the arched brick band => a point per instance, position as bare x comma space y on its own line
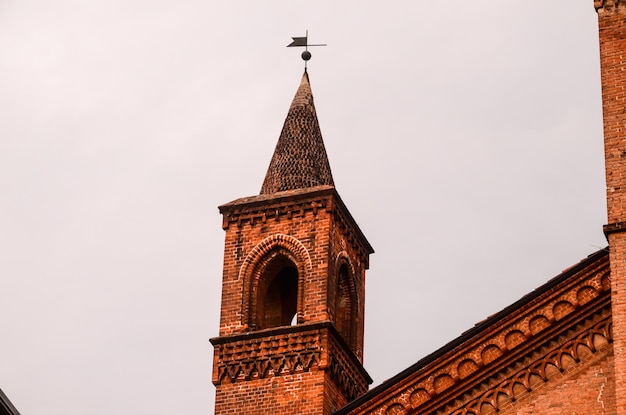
610, 5
257, 260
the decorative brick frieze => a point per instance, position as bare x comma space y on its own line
515, 381
561, 311
265, 353
607, 5
292, 204
560, 358
276, 212
289, 350
346, 370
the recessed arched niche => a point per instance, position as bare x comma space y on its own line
418, 397
586, 294
343, 303
561, 309
538, 323
466, 368
490, 353
514, 338
345, 300
395, 409
273, 276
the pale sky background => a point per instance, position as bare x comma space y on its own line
464, 136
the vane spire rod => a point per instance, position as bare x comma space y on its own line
304, 42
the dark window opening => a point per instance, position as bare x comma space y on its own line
278, 294
343, 305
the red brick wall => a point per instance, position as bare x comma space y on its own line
315, 232
317, 229
311, 230
311, 393
297, 394
612, 30
587, 390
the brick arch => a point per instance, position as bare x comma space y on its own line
466, 367
348, 288
490, 353
418, 397
562, 309
538, 323
442, 382
585, 294
395, 409
605, 281
256, 261
514, 338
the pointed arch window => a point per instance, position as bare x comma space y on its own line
345, 305
277, 301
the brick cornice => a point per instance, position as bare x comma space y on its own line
616, 227
294, 203
607, 5
556, 357
556, 349
497, 345
288, 350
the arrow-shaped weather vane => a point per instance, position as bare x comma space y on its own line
304, 42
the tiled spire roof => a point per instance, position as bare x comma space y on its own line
300, 159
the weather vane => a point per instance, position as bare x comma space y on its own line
304, 41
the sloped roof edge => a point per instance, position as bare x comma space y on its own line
6, 407
474, 331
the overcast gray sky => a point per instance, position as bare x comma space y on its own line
464, 136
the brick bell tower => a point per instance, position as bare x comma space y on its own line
293, 290
612, 33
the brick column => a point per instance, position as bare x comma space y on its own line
612, 26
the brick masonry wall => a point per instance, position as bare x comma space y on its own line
317, 234
311, 230
587, 390
612, 34
311, 393
315, 228
299, 394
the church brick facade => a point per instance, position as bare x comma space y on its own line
292, 316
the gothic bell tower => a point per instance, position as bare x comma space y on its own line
293, 289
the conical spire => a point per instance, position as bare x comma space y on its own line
300, 159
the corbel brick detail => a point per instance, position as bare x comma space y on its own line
259, 357
571, 313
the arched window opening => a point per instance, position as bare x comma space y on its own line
278, 294
344, 304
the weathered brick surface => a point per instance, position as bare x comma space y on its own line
320, 355
561, 328
612, 30
293, 287
311, 393
588, 389
289, 394
560, 350
313, 227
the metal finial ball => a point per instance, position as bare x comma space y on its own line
306, 55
